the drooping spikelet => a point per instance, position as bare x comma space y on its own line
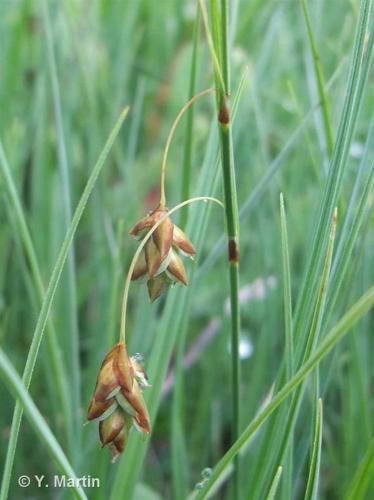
118, 401
160, 260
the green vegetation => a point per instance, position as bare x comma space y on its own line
272, 402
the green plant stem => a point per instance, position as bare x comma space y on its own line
48, 299
232, 221
258, 191
186, 177
320, 80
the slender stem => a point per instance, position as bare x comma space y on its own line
122, 334
186, 178
320, 81
213, 51
231, 210
169, 139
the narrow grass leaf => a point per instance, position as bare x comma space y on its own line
363, 476
320, 79
70, 340
360, 66
315, 461
274, 485
12, 379
359, 309
48, 299
287, 299
58, 371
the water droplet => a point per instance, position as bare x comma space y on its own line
206, 473
138, 357
199, 486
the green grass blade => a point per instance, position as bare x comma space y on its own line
60, 382
361, 63
289, 351
12, 379
48, 299
364, 475
213, 50
178, 435
274, 484
178, 444
347, 245
187, 159
285, 426
315, 461
70, 340
320, 80
359, 309
289, 344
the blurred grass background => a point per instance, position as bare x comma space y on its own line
59, 98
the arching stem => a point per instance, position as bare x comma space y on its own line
169, 139
122, 334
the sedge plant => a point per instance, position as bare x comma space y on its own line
302, 126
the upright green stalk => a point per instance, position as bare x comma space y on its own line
320, 80
186, 176
71, 345
231, 210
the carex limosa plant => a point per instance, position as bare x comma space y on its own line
118, 403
